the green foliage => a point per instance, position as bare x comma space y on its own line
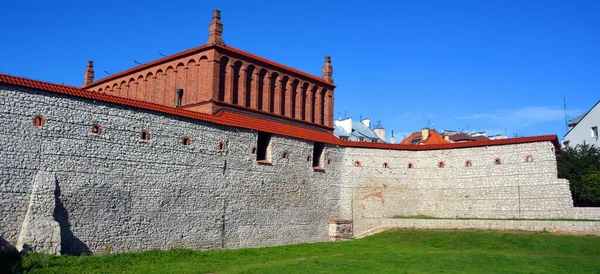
387, 252
590, 187
581, 166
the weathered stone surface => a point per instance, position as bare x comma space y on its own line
130, 194
120, 192
513, 189
40, 232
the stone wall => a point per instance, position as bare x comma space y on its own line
105, 188
510, 188
116, 191
562, 227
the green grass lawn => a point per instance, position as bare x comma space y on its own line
425, 217
401, 251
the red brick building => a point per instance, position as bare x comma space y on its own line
215, 77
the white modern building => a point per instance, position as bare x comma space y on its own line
583, 129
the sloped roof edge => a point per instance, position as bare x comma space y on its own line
253, 123
582, 117
200, 49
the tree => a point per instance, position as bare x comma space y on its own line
581, 166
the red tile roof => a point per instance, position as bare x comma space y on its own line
254, 123
465, 137
222, 118
482, 143
433, 139
203, 48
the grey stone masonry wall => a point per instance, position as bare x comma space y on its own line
71, 187
116, 191
40, 231
512, 189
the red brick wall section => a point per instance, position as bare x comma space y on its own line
198, 75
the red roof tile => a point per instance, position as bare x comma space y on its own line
433, 139
244, 121
465, 137
222, 118
202, 48
482, 143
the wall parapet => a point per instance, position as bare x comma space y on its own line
559, 227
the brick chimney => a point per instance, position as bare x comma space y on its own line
215, 30
88, 77
328, 70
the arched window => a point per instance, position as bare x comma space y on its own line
308, 158
222, 71
186, 140
144, 135
303, 96
272, 91
497, 161
39, 121
441, 164
254, 150
96, 129
221, 146
285, 155
410, 165
248, 85
357, 164
235, 92
313, 102
284, 85
468, 163
385, 165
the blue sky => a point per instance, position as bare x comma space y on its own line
495, 66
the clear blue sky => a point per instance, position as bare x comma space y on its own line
493, 66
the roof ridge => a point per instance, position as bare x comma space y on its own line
198, 49
582, 116
149, 64
276, 64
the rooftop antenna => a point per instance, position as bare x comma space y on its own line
159, 53
135, 61
432, 125
566, 115
107, 72
345, 116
